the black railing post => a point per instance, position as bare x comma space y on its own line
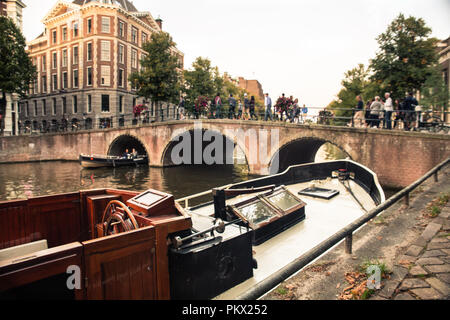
348, 243
406, 200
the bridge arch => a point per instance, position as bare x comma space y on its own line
126, 141
298, 151
230, 147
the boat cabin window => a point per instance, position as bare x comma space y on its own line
284, 201
257, 212
270, 213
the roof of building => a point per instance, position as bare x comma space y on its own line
125, 4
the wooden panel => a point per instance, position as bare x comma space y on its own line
86, 230
40, 265
122, 266
54, 218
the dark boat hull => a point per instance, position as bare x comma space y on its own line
98, 162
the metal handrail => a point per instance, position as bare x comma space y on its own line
175, 115
197, 195
346, 233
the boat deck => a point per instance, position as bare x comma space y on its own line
323, 219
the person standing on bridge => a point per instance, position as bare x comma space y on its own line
252, 108
218, 103
239, 116
268, 105
246, 107
388, 109
375, 109
232, 107
358, 119
409, 105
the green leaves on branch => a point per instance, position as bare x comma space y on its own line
17, 71
406, 57
407, 61
159, 77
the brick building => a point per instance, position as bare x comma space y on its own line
12, 9
84, 58
444, 62
252, 86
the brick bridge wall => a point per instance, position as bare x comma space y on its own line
398, 158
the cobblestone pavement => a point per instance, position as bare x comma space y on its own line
423, 272
413, 245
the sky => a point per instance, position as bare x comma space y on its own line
297, 47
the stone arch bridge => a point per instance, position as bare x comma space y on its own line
398, 157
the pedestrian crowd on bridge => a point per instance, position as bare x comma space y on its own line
386, 113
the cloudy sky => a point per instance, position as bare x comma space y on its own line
297, 47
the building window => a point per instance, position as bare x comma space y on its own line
105, 103
134, 35
75, 104
54, 107
120, 78
64, 105
106, 24
105, 75
35, 108
54, 82
120, 104
44, 108
44, 84
89, 25
89, 103
44, 63
64, 58
27, 110
54, 60
54, 36
75, 78
144, 38
75, 55
121, 54
89, 51
35, 86
75, 29
134, 59
64, 33
106, 51
89, 76
64, 82
121, 29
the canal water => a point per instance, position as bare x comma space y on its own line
24, 180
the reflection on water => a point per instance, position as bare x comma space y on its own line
329, 151
35, 179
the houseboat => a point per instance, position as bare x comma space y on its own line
115, 244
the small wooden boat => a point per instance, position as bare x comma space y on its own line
116, 244
96, 161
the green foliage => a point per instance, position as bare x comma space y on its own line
159, 78
204, 80
434, 92
356, 82
199, 81
406, 56
17, 71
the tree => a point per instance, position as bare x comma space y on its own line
17, 71
159, 78
406, 56
434, 93
356, 82
199, 81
